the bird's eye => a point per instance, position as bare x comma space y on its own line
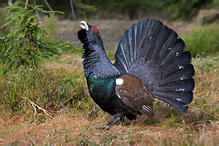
94, 29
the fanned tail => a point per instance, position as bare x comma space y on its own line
154, 53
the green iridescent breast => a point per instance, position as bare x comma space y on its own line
100, 87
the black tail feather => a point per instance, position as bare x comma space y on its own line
184, 97
153, 35
177, 104
180, 75
173, 54
162, 37
181, 86
167, 46
176, 65
123, 61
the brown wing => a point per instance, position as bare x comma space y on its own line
135, 94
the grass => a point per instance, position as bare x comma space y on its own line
203, 40
40, 90
73, 122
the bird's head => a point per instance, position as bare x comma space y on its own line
89, 34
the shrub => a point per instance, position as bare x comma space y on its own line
49, 23
24, 45
202, 40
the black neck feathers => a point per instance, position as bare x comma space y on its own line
96, 61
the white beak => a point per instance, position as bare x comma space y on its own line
84, 25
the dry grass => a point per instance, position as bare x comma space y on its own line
199, 126
74, 129
69, 62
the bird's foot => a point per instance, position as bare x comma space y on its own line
116, 118
106, 127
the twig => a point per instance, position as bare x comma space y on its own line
196, 122
2, 26
35, 105
48, 5
10, 2
209, 114
62, 103
35, 111
26, 4
34, 2
72, 10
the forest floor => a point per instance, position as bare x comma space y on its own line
199, 126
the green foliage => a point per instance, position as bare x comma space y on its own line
24, 45
172, 9
50, 27
69, 49
111, 55
49, 23
81, 9
184, 9
125, 7
202, 40
85, 10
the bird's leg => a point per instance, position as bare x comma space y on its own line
116, 118
122, 120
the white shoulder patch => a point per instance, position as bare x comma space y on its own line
119, 81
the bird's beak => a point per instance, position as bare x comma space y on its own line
84, 25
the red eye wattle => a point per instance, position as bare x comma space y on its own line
93, 28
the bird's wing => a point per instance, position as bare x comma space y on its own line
134, 94
152, 52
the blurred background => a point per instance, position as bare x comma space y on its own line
126, 9
113, 17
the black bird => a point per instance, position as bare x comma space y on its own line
150, 63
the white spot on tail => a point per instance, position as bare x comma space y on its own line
119, 81
177, 53
181, 67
